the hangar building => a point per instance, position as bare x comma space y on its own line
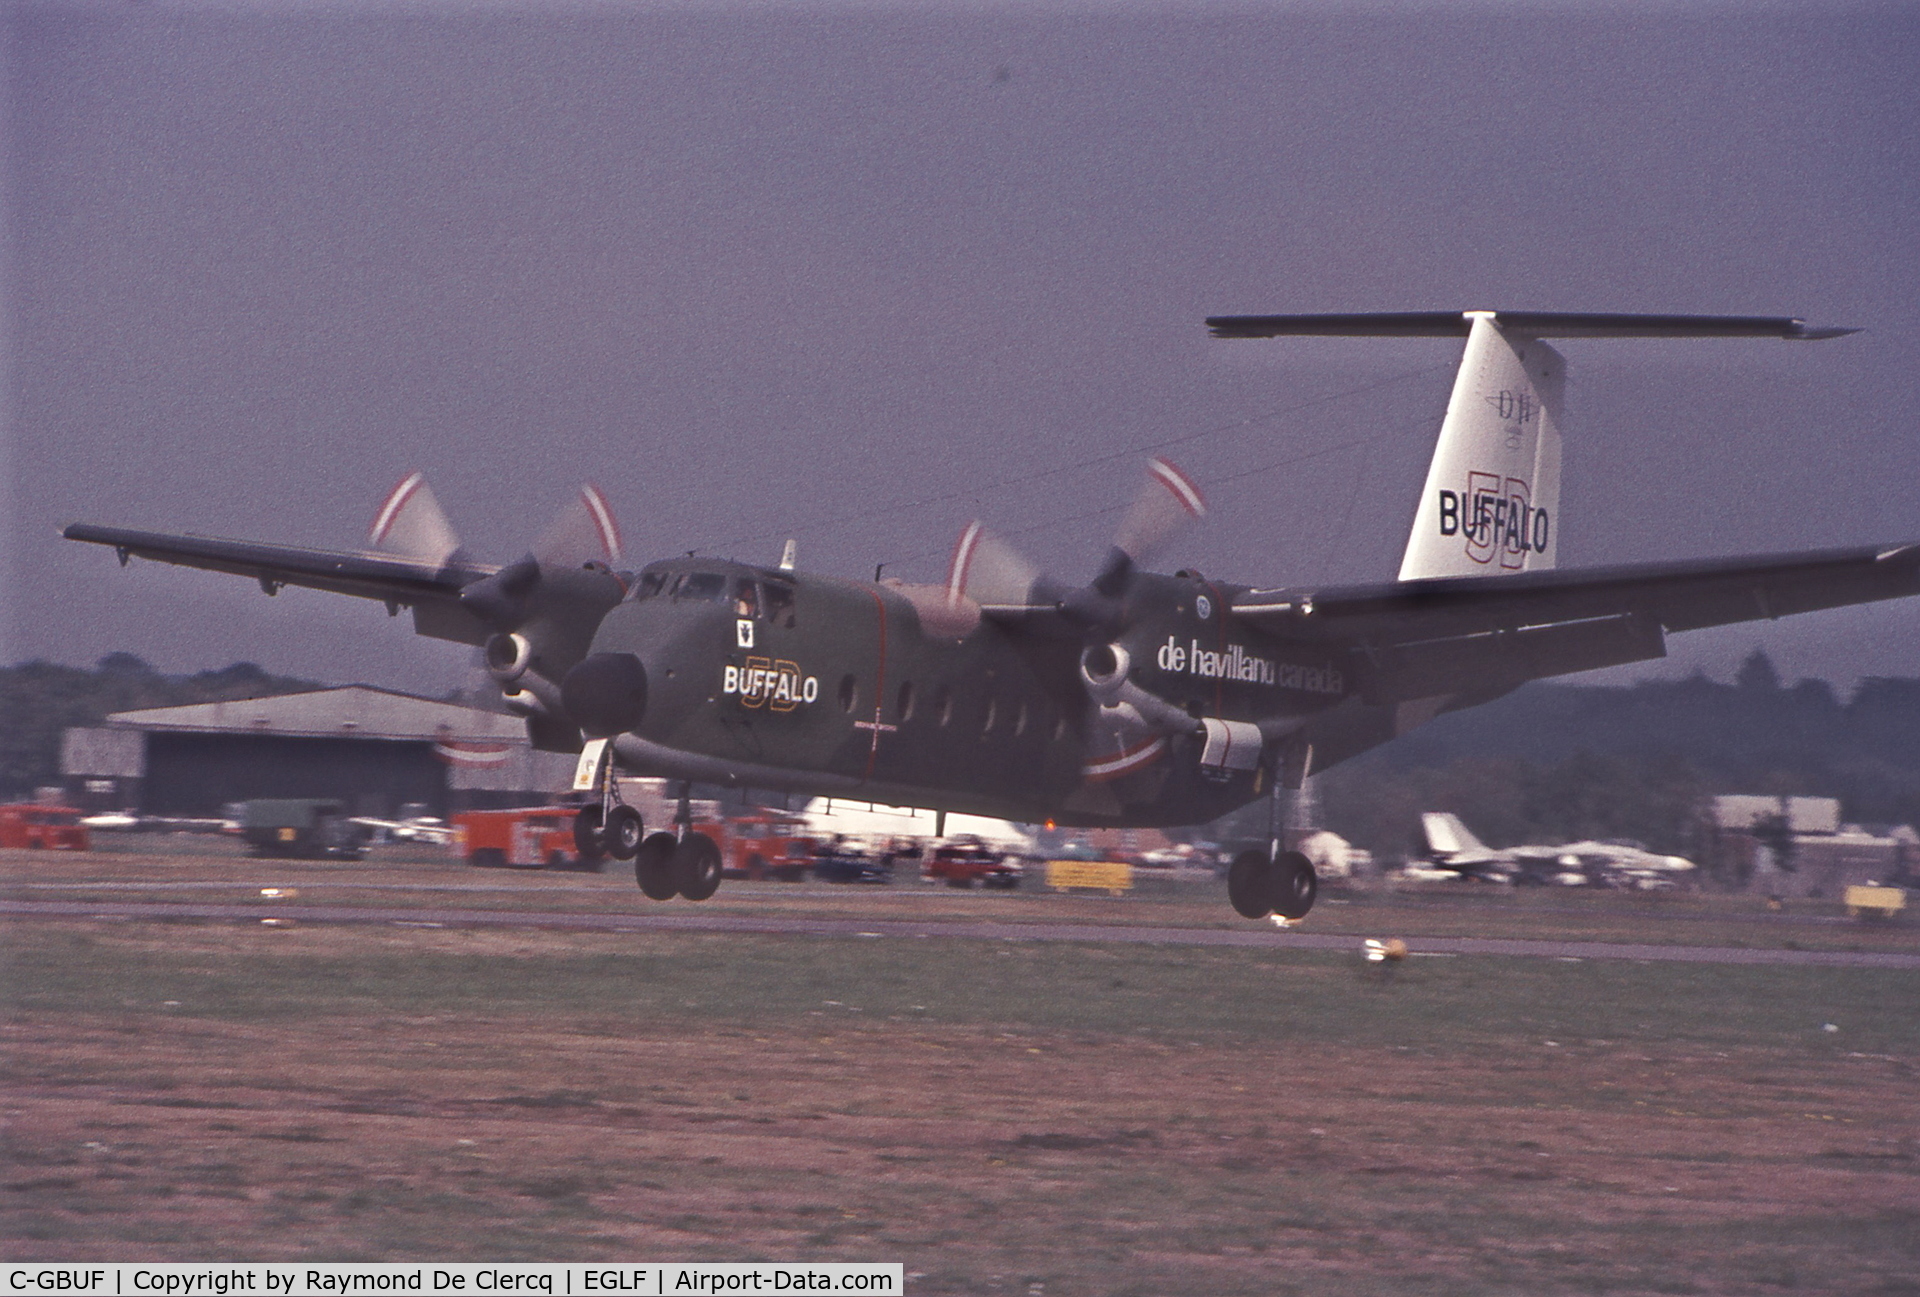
374, 749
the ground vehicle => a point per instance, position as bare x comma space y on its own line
763, 846
526, 837
965, 861
308, 828
42, 828
843, 861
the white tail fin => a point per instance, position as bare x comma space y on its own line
1447, 836
1492, 499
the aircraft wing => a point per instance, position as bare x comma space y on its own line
432, 592
1417, 638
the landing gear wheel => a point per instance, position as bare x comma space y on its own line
1250, 885
588, 843
696, 867
653, 867
1292, 885
624, 833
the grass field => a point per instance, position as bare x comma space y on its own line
1002, 1117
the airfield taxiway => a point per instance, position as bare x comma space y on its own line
1264, 936
200, 880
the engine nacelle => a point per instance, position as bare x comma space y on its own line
508, 657
1103, 670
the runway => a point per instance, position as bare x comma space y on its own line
1270, 938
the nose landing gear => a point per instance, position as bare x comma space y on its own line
588, 842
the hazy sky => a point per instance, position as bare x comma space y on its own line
856, 274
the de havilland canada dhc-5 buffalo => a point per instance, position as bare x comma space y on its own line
1137, 699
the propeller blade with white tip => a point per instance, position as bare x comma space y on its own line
1167, 503
585, 532
410, 523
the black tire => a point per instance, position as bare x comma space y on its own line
1250, 885
587, 837
653, 867
488, 858
696, 867
1293, 885
624, 833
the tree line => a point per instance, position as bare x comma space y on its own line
41, 700
1562, 762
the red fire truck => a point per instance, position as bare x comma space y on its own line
765, 845
527, 837
43, 828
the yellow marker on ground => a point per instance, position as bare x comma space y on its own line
1884, 901
1112, 876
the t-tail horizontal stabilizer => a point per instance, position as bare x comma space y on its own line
1536, 324
1491, 504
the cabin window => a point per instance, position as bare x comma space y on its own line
943, 706
849, 693
701, 587
1020, 719
1060, 727
905, 702
993, 714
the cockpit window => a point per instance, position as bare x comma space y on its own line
779, 603
652, 584
703, 587
746, 598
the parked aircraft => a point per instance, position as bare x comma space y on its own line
1455, 852
1134, 699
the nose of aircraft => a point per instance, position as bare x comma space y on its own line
606, 694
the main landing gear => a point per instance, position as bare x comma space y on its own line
1259, 884
666, 865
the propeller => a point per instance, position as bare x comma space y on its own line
1130, 724
411, 524
990, 572
538, 613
